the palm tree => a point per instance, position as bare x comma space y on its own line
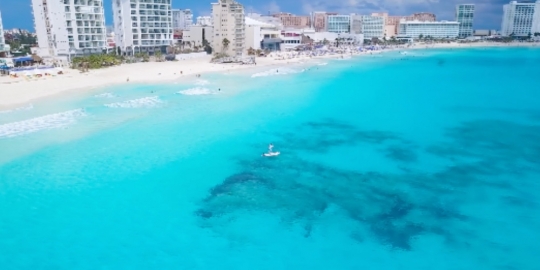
251, 51
158, 56
225, 43
421, 36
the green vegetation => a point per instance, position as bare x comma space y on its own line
225, 43
96, 61
159, 56
21, 42
144, 57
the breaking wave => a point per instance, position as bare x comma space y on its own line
197, 91
50, 121
277, 71
146, 102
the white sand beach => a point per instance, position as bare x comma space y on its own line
20, 91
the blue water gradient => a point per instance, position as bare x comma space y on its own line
429, 160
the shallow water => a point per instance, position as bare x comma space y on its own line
424, 161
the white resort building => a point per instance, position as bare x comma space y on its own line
369, 26
67, 27
2, 40
182, 19
439, 29
261, 35
338, 23
196, 35
142, 25
521, 19
535, 29
229, 24
465, 17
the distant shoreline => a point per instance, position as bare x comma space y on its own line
19, 92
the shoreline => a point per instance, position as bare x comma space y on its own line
19, 92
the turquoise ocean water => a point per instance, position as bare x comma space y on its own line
429, 160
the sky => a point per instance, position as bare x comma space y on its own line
18, 13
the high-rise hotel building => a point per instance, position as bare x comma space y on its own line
465, 17
66, 27
521, 18
229, 23
142, 25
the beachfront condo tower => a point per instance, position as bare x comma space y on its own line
229, 27
2, 40
438, 29
465, 16
339, 23
369, 25
182, 19
68, 27
142, 25
520, 19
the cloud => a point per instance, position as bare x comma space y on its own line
272, 7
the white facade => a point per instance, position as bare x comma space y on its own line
197, 34
142, 25
369, 26
69, 26
520, 19
465, 17
182, 19
339, 23
204, 21
291, 39
2, 40
258, 32
535, 29
229, 23
440, 29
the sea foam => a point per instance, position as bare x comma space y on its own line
277, 71
146, 102
197, 91
202, 82
50, 121
25, 108
105, 95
